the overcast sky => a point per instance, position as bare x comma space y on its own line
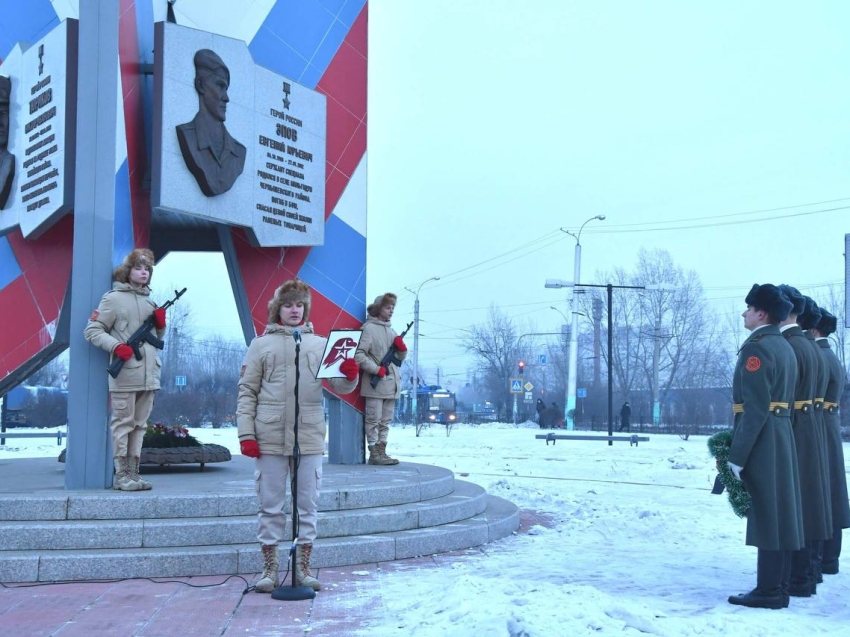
716, 131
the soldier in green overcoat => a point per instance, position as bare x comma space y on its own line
762, 451
835, 448
808, 320
811, 449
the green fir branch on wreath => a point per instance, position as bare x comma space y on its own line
718, 446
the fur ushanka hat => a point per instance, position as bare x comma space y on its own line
810, 317
385, 299
798, 301
290, 292
828, 323
139, 256
768, 298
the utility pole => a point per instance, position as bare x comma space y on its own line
597, 346
570, 402
414, 402
656, 356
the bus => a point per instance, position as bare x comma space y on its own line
434, 404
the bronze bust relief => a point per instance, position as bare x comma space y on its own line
7, 159
213, 157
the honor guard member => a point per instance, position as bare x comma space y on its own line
120, 313
762, 451
808, 320
378, 337
809, 440
834, 446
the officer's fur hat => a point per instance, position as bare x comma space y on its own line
810, 317
290, 292
827, 324
380, 301
769, 298
795, 296
139, 256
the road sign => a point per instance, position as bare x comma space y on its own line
581, 392
516, 385
180, 381
541, 359
528, 397
528, 386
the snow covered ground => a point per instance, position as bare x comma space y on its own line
636, 544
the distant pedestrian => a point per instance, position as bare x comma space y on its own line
625, 414
540, 407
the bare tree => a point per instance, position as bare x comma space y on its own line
53, 374
494, 346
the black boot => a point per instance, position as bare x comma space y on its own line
817, 563
768, 590
831, 552
800, 585
786, 577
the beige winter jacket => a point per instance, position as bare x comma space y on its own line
377, 338
265, 409
121, 312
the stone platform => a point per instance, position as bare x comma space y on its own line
204, 523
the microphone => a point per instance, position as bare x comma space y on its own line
296, 334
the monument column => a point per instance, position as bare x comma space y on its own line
88, 463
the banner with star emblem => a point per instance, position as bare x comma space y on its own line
341, 345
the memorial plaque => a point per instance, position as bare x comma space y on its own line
37, 164
234, 142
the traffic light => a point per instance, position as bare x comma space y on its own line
521, 368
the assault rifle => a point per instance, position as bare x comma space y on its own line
141, 336
390, 358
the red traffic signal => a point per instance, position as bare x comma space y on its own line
521, 367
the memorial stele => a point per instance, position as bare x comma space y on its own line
235, 143
42, 116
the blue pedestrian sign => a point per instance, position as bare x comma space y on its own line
581, 392
541, 359
516, 385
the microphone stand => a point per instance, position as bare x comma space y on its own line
294, 592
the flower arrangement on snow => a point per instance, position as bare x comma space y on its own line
159, 436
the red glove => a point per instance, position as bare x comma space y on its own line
382, 371
124, 352
159, 318
350, 368
250, 448
399, 344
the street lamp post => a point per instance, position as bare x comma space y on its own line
570, 402
558, 283
414, 400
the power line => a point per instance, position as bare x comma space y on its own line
602, 229
597, 229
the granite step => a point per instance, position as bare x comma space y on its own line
498, 519
466, 501
343, 488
